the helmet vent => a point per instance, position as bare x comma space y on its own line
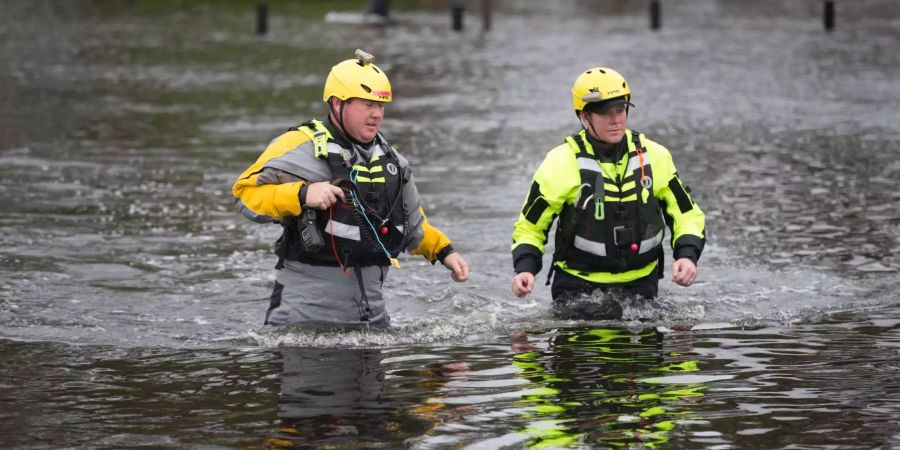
366, 88
376, 69
588, 71
601, 71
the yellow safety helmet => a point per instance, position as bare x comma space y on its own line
358, 78
602, 86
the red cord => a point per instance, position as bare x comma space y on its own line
333, 245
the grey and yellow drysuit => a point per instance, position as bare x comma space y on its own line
340, 283
613, 204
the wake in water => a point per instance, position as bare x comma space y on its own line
728, 296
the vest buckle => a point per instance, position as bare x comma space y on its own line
622, 235
599, 209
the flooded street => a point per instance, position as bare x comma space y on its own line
132, 295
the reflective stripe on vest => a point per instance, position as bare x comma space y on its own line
599, 248
371, 171
593, 165
343, 230
634, 163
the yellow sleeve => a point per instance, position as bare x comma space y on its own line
687, 217
433, 242
555, 183
687, 220
273, 200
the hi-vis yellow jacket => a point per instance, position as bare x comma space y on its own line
269, 190
612, 215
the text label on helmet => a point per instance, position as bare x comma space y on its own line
382, 94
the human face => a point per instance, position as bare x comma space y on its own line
608, 126
361, 118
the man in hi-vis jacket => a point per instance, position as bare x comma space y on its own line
614, 191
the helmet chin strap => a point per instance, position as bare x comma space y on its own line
339, 115
587, 117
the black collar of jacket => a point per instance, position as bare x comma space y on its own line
607, 152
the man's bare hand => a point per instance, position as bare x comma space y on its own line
522, 284
459, 268
322, 195
684, 272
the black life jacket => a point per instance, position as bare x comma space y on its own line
621, 231
373, 226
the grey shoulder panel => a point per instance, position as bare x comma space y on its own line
412, 202
402, 159
271, 175
302, 163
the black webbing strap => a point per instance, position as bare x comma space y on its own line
363, 313
580, 143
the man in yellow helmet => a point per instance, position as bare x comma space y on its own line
347, 203
614, 192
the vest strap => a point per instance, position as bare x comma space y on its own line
636, 139
599, 190
319, 136
364, 311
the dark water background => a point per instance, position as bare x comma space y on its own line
132, 295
